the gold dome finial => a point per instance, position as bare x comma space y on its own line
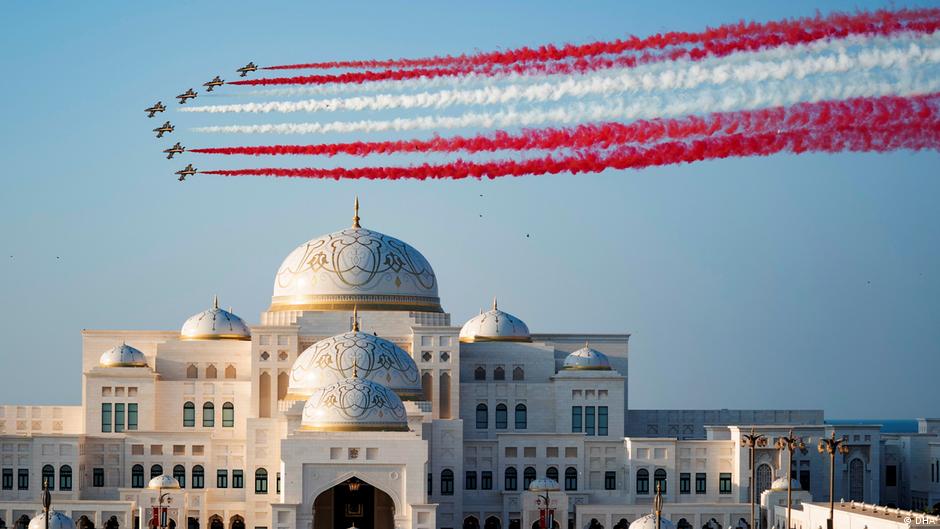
356, 214
215, 302
355, 324
355, 371
495, 307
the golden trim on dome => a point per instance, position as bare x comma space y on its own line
474, 339
197, 337
373, 427
124, 364
586, 368
346, 302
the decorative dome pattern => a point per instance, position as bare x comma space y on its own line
337, 358
495, 325
649, 522
356, 267
354, 405
57, 520
123, 356
587, 359
215, 324
163, 482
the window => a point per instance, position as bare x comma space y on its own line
642, 481
891, 475
119, 417
132, 416
576, 419
499, 374
430, 483
230, 371
192, 371
685, 483
602, 420
228, 415
137, 476
551, 473
483, 416
48, 476
610, 480
156, 470
8, 479
724, 483
189, 415
521, 417
261, 481
198, 477
700, 483
179, 474
804, 475
22, 479
212, 372
511, 479
479, 373
589, 420
105, 417
659, 480
528, 476
278, 489
502, 416
571, 479
208, 415
97, 477
447, 482
65, 477
470, 480
221, 479
238, 479
486, 480
856, 480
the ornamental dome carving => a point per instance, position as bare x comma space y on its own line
495, 325
215, 324
354, 405
122, 356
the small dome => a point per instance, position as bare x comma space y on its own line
543, 485
163, 482
123, 356
355, 267
215, 324
57, 520
354, 405
587, 359
649, 522
781, 484
335, 359
495, 325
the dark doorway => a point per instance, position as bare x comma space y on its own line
112, 523
353, 503
216, 522
471, 522
237, 522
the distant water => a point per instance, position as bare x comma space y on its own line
887, 425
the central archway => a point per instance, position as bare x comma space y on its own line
353, 503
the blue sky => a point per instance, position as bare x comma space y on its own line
784, 282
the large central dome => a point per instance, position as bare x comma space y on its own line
353, 268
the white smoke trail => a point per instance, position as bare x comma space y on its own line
916, 79
898, 53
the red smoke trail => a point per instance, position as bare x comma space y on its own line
916, 136
874, 112
836, 25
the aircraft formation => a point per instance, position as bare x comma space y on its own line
167, 128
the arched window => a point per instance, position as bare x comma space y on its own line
857, 480
642, 481
264, 395
483, 416
622, 524
283, 384
261, 481
212, 372
502, 416
137, 476
571, 478
199, 477
447, 482
511, 479
179, 474
48, 476
156, 470
528, 476
192, 371
479, 373
208, 415
444, 398
518, 373
471, 522
427, 387
65, 477
189, 415
522, 419
499, 374
683, 524
764, 478
228, 415
659, 478
230, 371
551, 473
492, 523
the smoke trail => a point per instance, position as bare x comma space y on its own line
914, 136
831, 26
873, 112
903, 81
682, 75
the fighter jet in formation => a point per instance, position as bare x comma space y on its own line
250, 67
162, 129
189, 170
213, 83
157, 107
175, 149
189, 94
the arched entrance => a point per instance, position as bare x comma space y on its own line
471, 522
112, 523
623, 523
492, 523
236, 522
353, 503
537, 525
22, 522
215, 522
85, 523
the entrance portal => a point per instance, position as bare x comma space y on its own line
353, 503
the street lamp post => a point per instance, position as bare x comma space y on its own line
832, 446
658, 506
541, 487
790, 443
753, 441
158, 484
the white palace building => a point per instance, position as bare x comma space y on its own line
355, 402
